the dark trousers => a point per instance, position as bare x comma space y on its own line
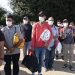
14, 58
49, 58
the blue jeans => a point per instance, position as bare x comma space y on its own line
49, 58
27, 47
40, 54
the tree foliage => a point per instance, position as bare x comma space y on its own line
59, 9
2, 18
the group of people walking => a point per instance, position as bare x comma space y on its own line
42, 38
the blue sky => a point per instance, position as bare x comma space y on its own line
6, 5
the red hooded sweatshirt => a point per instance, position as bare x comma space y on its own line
41, 34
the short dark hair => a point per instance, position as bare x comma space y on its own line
10, 16
25, 18
59, 21
41, 13
65, 21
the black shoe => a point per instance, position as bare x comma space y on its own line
57, 57
71, 68
65, 66
39, 74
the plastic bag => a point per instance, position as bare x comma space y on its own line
58, 47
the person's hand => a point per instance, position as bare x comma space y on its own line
46, 45
31, 52
11, 50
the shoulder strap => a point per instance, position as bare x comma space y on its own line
15, 30
20, 28
55, 27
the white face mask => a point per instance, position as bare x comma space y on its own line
58, 24
25, 22
65, 24
50, 22
41, 19
8, 23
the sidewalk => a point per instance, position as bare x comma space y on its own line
57, 66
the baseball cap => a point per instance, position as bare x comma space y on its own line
25, 18
50, 19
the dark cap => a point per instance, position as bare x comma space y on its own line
51, 19
41, 13
25, 18
65, 21
71, 23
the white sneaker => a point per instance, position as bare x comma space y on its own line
39, 74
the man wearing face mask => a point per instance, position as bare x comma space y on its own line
26, 30
12, 52
50, 52
41, 37
54, 28
68, 45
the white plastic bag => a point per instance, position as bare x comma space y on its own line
58, 48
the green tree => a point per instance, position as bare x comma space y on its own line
2, 18
59, 9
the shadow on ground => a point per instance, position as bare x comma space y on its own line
58, 67
21, 72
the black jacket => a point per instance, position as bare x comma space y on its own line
27, 31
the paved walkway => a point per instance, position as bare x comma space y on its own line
57, 65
